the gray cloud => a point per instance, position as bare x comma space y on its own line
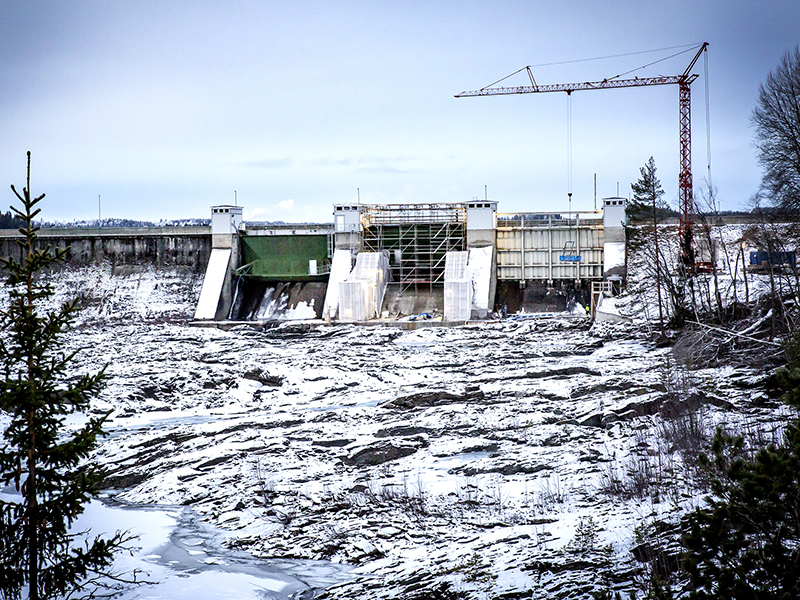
151, 103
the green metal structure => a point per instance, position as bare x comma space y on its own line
284, 257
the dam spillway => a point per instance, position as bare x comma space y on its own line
256, 300
284, 274
459, 261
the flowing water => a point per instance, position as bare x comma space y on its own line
277, 301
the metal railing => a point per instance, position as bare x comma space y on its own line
549, 220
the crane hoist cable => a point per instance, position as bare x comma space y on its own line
568, 253
708, 126
569, 147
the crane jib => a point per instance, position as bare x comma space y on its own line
589, 85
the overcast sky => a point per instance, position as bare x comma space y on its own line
165, 108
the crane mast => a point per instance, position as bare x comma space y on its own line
684, 82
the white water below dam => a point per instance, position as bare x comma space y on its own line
281, 301
275, 306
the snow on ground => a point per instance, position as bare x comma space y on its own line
125, 293
514, 458
735, 284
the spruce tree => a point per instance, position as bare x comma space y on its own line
647, 195
44, 461
645, 205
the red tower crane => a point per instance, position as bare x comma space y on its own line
683, 81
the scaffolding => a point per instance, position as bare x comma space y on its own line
417, 238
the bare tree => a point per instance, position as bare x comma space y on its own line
709, 196
775, 235
777, 132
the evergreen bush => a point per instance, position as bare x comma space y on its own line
746, 542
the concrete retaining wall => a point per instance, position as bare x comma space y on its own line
165, 246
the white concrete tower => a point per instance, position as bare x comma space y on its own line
347, 225
226, 220
614, 221
216, 294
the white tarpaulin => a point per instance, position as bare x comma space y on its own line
361, 294
480, 269
457, 287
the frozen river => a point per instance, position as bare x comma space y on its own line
380, 463
183, 558
187, 560
515, 459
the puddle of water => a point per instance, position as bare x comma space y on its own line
125, 425
144, 422
334, 407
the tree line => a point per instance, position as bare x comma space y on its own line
8, 220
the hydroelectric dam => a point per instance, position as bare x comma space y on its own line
440, 262
450, 262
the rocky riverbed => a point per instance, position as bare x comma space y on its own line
512, 459
529, 458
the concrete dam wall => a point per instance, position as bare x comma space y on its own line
452, 261
159, 246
